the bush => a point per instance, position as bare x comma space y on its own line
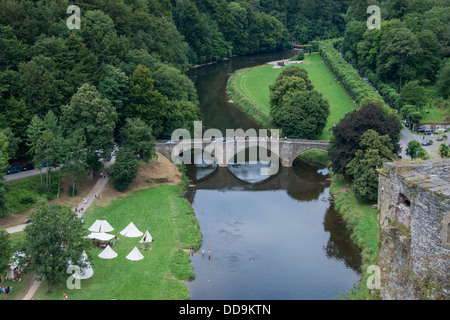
300, 56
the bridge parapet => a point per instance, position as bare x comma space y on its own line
224, 151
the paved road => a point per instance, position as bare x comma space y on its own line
406, 136
26, 174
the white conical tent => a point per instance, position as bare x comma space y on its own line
101, 226
146, 238
135, 255
108, 253
131, 231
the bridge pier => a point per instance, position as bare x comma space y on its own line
286, 163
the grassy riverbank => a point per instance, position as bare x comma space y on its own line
174, 227
152, 202
249, 89
362, 220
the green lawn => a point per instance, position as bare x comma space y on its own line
255, 82
171, 222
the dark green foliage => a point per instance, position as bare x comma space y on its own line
347, 134
373, 151
55, 236
137, 136
124, 169
415, 150
302, 115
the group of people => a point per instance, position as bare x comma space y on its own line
6, 290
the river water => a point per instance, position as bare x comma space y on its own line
264, 237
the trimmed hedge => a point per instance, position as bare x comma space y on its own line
357, 88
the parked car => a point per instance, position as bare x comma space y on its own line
14, 169
440, 138
421, 129
427, 143
28, 167
430, 131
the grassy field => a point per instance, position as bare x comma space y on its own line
254, 85
363, 221
174, 227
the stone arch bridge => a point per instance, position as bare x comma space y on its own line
226, 152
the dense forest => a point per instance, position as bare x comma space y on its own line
132, 54
406, 59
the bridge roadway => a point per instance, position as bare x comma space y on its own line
225, 152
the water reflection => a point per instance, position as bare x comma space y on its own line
275, 238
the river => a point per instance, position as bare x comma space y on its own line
264, 237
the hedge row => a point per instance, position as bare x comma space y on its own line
356, 86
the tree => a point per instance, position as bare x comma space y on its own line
93, 117
374, 151
6, 250
429, 59
145, 101
302, 115
415, 150
348, 132
281, 89
137, 136
443, 80
114, 87
444, 150
399, 52
294, 71
124, 169
55, 237
412, 93
3, 190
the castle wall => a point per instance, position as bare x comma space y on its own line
414, 216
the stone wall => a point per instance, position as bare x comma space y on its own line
414, 216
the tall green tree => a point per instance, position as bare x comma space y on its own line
6, 249
145, 101
281, 89
55, 237
415, 150
302, 115
93, 117
347, 134
443, 80
124, 169
137, 136
374, 151
399, 52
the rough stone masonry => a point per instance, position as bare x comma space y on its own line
414, 217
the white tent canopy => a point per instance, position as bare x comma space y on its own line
108, 253
100, 236
131, 231
135, 255
146, 238
101, 226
